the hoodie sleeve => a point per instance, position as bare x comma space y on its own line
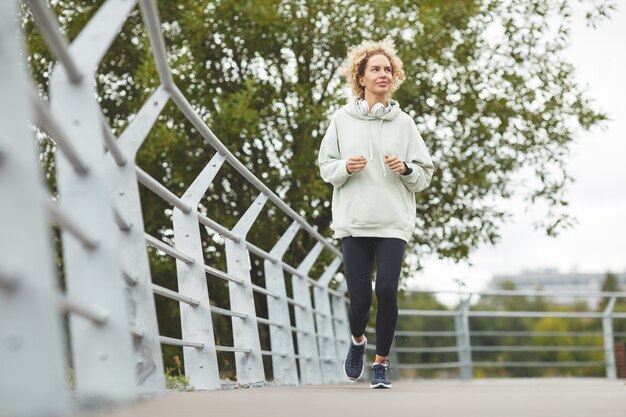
332, 167
423, 166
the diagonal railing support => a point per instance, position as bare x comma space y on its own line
245, 331
201, 367
133, 255
310, 368
101, 353
33, 364
284, 367
330, 363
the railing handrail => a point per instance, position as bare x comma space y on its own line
522, 293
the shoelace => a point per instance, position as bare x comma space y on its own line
353, 358
380, 372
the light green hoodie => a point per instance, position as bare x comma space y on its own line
376, 201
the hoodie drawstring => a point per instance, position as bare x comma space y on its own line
382, 151
369, 135
380, 143
357, 112
371, 140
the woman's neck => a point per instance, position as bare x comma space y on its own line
373, 99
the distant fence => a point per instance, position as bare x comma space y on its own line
463, 334
114, 340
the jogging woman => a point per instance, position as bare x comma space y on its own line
376, 161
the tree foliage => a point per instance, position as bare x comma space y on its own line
487, 86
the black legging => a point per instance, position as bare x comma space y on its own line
358, 263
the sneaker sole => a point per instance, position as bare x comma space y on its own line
380, 385
350, 378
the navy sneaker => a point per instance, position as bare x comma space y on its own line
379, 375
353, 365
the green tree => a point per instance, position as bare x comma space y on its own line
487, 86
610, 284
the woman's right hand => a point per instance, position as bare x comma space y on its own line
356, 164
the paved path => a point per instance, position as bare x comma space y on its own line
428, 398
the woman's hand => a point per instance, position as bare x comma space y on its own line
395, 164
356, 164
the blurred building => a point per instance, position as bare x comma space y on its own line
552, 280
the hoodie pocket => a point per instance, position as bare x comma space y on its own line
376, 205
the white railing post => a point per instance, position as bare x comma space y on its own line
461, 322
102, 354
310, 369
609, 341
281, 338
245, 330
201, 367
330, 359
33, 363
133, 254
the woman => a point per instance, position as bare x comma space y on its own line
376, 160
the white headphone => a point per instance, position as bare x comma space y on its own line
377, 111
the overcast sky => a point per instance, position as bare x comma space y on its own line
597, 198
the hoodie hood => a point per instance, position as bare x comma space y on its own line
392, 111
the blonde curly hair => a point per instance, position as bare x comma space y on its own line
356, 62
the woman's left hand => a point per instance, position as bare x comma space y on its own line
395, 164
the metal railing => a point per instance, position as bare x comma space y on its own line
463, 333
114, 343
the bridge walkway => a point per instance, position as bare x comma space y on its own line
575, 397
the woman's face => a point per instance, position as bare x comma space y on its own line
378, 77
